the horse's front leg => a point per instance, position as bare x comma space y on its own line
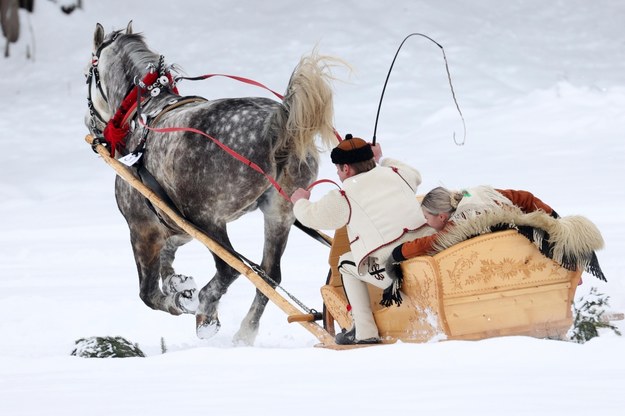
154, 247
181, 287
147, 243
206, 317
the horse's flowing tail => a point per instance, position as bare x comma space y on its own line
309, 106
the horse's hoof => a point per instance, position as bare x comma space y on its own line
244, 338
178, 283
206, 328
187, 301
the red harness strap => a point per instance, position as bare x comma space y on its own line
117, 128
237, 78
227, 149
315, 183
239, 157
246, 81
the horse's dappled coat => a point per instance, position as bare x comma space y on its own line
205, 184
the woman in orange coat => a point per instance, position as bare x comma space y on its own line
442, 208
456, 216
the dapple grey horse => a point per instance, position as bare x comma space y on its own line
204, 183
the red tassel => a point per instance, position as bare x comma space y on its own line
115, 136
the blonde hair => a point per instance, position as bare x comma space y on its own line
440, 200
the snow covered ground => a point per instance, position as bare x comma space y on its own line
541, 87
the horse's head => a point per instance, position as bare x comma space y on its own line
116, 60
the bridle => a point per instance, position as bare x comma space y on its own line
113, 131
93, 76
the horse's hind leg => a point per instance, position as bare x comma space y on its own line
277, 229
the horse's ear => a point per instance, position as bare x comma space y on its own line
98, 36
129, 28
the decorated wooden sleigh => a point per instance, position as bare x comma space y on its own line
495, 284
492, 285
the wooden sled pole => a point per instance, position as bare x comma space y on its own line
321, 334
304, 317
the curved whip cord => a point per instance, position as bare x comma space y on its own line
453, 93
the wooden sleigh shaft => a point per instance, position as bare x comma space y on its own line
281, 302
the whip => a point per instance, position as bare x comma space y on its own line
453, 93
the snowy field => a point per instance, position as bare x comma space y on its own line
542, 91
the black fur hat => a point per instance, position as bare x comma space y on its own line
351, 150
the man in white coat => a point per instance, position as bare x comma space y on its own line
380, 209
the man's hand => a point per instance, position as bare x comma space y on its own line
377, 152
300, 193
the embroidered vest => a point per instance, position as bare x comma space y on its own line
383, 208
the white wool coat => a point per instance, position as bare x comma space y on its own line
379, 207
